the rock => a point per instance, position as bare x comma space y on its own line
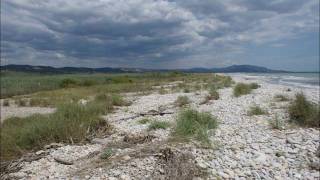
125, 177
126, 158
318, 151
261, 158
99, 141
291, 141
40, 152
53, 145
83, 102
63, 161
224, 175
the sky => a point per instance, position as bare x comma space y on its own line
161, 34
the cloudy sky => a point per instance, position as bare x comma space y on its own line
279, 34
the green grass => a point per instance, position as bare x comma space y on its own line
256, 110
70, 123
277, 123
194, 124
303, 112
107, 153
182, 101
158, 125
214, 94
280, 97
144, 121
243, 89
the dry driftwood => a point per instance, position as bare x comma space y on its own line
146, 114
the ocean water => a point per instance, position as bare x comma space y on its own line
303, 80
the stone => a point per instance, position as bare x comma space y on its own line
40, 152
126, 158
261, 158
124, 177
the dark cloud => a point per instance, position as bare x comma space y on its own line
147, 33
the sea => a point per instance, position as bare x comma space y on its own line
301, 80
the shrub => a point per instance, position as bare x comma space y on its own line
158, 125
186, 90
113, 99
254, 85
70, 123
280, 97
182, 101
89, 83
162, 91
191, 123
107, 153
241, 89
277, 123
214, 94
303, 112
39, 102
6, 102
21, 102
68, 83
256, 110
144, 121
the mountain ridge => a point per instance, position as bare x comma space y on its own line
70, 70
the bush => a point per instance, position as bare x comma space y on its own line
6, 102
277, 123
113, 99
21, 102
182, 101
39, 102
107, 153
254, 85
214, 94
256, 110
71, 123
158, 125
280, 97
144, 121
89, 83
241, 89
191, 123
68, 83
303, 112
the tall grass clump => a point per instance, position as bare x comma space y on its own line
71, 123
277, 123
68, 83
158, 125
194, 124
182, 101
256, 110
243, 89
304, 112
113, 99
280, 97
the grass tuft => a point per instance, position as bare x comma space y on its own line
191, 123
303, 112
144, 121
182, 101
277, 123
6, 102
107, 153
256, 110
158, 125
280, 97
243, 89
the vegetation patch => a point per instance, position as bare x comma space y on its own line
158, 125
144, 121
256, 110
71, 123
6, 102
277, 123
304, 112
194, 124
182, 101
107, 153
243, 89
280, 97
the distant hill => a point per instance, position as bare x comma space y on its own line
70, 70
